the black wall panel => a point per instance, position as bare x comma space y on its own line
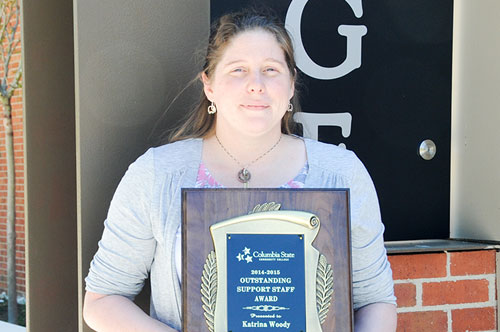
398, 97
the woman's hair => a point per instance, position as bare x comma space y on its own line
198, 122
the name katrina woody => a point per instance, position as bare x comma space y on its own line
271, 323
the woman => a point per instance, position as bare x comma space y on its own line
239, 136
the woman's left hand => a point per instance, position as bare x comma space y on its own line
376, 317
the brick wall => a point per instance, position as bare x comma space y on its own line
444, 292
17, 123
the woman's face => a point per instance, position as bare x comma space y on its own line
251, 85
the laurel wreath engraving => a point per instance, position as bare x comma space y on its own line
324, 288
270, 206
209, 289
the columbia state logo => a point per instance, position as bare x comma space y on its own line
244, 255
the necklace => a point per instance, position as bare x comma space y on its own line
244, 175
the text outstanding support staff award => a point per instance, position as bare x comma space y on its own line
260, 270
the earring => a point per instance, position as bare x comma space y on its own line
290, 107
211, 109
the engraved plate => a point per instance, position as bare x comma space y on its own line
265, 281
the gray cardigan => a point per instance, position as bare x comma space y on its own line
145, 211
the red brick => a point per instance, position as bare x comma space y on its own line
406, 294
474, 319
432, 321
418, 266
472, 262
17, 121
453, 292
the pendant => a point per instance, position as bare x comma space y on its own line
244, 176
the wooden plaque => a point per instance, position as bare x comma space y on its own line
205, 207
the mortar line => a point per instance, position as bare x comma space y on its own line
487, 276
445, 307
448, 263
418, 294
450, 322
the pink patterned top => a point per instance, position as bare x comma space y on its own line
206, 180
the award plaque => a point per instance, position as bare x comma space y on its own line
266, 259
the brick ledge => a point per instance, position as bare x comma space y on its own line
421, 246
